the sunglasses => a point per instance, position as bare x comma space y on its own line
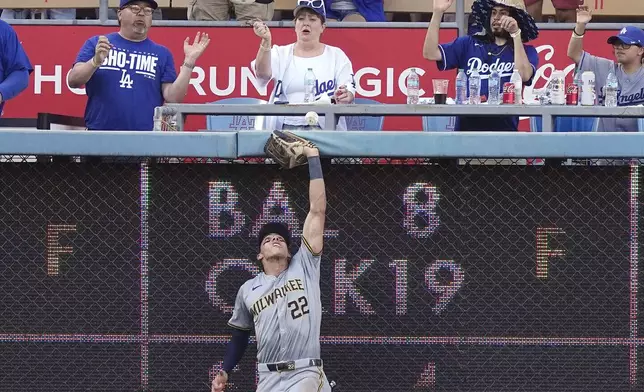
311, 3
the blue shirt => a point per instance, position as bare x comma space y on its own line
14, 64
123, 92
371, 10
470, 53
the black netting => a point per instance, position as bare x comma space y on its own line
446, 275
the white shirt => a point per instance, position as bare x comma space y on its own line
332, 69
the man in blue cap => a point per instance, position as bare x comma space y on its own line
127, 75
628, 47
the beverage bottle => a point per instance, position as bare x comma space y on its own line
518, 87
475, 87
493, 87
588, 94
461, 88
557, 88
413, 87
309, 86
610, 90
577, 81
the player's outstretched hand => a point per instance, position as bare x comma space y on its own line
219, 382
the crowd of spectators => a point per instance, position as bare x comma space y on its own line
339, 10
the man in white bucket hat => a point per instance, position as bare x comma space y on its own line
498, 33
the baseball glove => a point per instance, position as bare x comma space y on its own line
287, 149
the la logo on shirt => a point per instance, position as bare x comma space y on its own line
128, 63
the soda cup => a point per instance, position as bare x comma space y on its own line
508, 93
588, 88
572, 94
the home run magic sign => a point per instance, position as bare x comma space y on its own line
121, 277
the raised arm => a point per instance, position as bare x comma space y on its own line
576, 44
314, 223
89, 59
263, 63
521, 61
430, 47
175, 87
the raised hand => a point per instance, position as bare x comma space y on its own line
584, 14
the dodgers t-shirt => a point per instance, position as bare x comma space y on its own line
123, 92
470, 53
630, 90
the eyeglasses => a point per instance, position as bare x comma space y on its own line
622, 46
136, 9
311, 3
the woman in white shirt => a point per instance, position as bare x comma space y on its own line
287, 65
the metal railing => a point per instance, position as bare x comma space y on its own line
333, 112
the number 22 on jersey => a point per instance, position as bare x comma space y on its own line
299, 307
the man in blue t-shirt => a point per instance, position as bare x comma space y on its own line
499, 31
14, 65
127, 75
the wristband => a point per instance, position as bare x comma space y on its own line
189, 66
315, 167
575, 35
516, 34
94, 64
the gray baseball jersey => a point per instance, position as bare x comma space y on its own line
286, 310
631, 90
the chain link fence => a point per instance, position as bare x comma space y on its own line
437, 275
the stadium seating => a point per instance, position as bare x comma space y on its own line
365, 123
234, 123
600, 7
64, 3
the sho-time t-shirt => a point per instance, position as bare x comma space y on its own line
123, 92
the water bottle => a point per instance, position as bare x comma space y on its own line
611, 90
475, 87
461, 88
493, 88
518, 87
413, 87
309, 86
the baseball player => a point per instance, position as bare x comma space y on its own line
283, 303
